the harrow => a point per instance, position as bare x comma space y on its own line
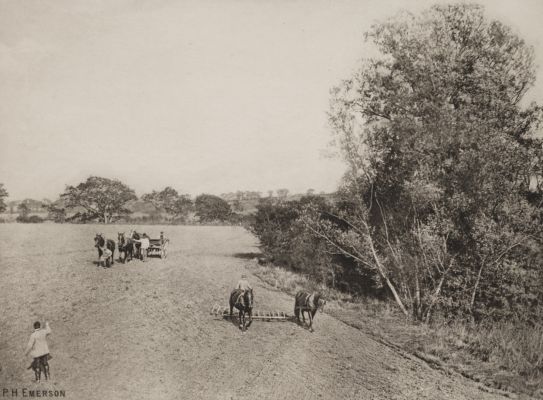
224, 312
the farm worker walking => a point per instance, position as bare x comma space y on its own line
243, 283
37, 345
144, 246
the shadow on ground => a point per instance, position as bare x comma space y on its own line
247, 256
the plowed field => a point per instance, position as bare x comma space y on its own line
143, 330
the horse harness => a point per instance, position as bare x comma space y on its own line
308, 302
241, 298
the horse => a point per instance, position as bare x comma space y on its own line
40, 364
310, 303
126, 247
243, 301
99, 242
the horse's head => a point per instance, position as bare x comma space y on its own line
99, 240
319, 301
120, 237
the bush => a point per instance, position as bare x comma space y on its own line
287, 242
211, 208
32, 219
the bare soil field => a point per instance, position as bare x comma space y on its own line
143, 330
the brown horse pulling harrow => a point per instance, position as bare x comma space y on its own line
224, 312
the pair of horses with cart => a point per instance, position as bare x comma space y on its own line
129, 247
243, 301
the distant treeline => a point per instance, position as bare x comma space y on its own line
104, 200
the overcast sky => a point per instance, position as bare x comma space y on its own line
204, 96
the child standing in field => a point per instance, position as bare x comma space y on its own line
38, 349
106, 256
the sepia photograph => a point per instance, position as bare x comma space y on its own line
289, 199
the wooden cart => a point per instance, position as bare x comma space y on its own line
158, 247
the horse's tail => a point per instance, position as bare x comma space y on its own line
298, 300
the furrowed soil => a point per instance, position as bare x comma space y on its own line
144, 330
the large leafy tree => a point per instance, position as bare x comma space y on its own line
102, 199
440, 155
3, 195
170, 201
210, 208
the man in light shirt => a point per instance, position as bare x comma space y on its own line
144, 241
243, 283
38, 349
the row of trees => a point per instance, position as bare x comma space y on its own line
254, 195
441, 204
105, 200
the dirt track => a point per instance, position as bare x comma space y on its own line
143, 330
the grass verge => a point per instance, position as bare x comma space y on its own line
504, 355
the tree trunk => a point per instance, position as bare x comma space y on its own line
385, 277
380, 267
434, 299
417, 307
473, 294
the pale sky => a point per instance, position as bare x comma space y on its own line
203, 96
